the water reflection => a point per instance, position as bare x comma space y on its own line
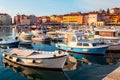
35, 74
41, 46
5, 31
103, 60
80, 71
26, 45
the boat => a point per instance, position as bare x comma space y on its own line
30, 73
76, 44
9, 41
36, 58
4, 42
57, 36
33, 27
107, 36
36, 32
41, 39
25, 36
110, 41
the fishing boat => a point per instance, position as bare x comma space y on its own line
9, 42
76, 44
36, 58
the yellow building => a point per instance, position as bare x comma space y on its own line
99, 23
56, 18
73, 18
52, 17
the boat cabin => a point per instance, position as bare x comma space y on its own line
105, 33
87, 43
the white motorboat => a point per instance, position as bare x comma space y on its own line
25, 36
32, 58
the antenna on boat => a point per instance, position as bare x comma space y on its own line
67, 46
13, 32
8, 47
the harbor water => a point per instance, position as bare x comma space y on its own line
100, 67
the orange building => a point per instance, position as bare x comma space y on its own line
113, 19
73, 18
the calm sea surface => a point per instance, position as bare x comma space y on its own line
99, 68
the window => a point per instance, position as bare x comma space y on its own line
85, 44
78, 38
94, 44
97, 33
74, 39
79, 44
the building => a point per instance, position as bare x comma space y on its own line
73, 18
22, 20
95, 18
25, 19
115, 11
17, 19
85, 19
113, 19
56, 18
33, 19
43, 19
5, 19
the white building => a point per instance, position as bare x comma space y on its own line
115, 10
33, 19
95, 18
5, 19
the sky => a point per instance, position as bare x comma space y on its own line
50, 7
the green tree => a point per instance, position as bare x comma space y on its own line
103, 11
108, 11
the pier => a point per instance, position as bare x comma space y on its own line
115, 75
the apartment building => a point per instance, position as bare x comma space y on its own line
73, 18
5, 19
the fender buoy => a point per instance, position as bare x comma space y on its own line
10, 57
54, 55
5, 55
33, 61
17, 60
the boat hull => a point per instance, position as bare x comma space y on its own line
87, 51
16, 43
55, 63
41, 40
